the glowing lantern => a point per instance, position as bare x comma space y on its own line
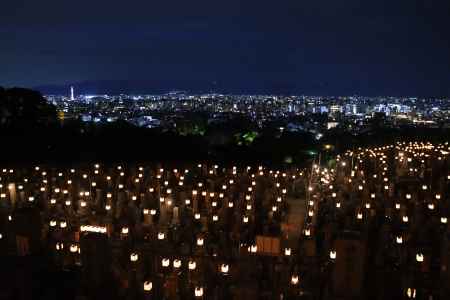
419, 257
430, 206
287, 251
405, 219
399, 240
359, 216
307, 232
165, 262
215, 218
198, 292
200, 241
148, 285
253, 248
73, 248
368, 205
192, 265
177, 263
107, 207
161, 236
153, 212
332, 254
134, 257
443, 220
224, 268
230, 204
63, 224
125, 230
187, 201
411, 293
294, 279
52, 223
197, 216
397, 205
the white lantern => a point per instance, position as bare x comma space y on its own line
161, 235
197, 216
287, 251
430, 206
224, 268
63, 224
124, 230
245, 219
200, 241
215, 218
253, 248
198, 292
177, 263
52, 223
419, 257
148, 285
307, 232
332, 254
165, 262
192, 265
338, 204
411, 293
444, 220
134, 257
294, 279
73, 248
399, 240
405, 219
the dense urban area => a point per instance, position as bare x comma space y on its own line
314, 114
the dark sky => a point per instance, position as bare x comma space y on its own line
384, 47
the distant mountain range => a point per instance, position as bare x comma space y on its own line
237, 86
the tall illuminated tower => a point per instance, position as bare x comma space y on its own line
72, 96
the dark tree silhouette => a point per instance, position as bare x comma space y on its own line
25, 109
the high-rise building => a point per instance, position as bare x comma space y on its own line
72, 94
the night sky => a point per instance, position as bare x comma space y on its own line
327, 47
